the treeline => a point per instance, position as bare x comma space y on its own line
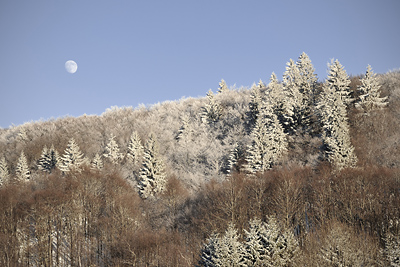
174, 183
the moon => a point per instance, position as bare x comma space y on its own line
71, 66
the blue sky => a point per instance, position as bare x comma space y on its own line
133, 52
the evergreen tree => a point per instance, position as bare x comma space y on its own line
135, 148
208, 256
184, 131
222, 87
4, 174
22, 170
255, 104
255, 251
229, 252
293, 96
268, 142
339, 81
261, 84
212, 111
49, 159
281, 245
233, 159
307, 79
369, 90
336, 134
152, 176
72, 158
112, 151
97, 162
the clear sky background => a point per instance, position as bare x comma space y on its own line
133, 52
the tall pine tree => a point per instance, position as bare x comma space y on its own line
22, 170
4, 173
72, 158
112, 151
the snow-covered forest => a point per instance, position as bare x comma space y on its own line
292, 171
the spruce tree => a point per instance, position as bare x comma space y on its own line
229, 252
339, 81
255, 104
337, 147
112, 151
49, 159
212, 111
222, 87
307, 79
255, 251
208, 255
97, 162
135, 148
369, 98
268, 142
152, 175
4, 173
22, 169
72, 158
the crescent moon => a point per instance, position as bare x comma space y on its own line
71, 66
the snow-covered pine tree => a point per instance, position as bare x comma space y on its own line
282, 108
254, 249
229, 252
4, 173
268, 141
22, 170
97, 162
212, 111
72, 158
135, 148
256, 101
261, 84
208, 254
152, 175
222, 87
369, 90
281, 245
338, 80
332, 112
307, 79
233, 158
184, 131
49, 159
293, 96
112, 151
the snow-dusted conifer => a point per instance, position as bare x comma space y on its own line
185, 130
336, 134
229, 251
339, 81
268, 141
369, 90
255, 251
307, 79
212, 111
281, 245
255, 104
222, 87
152, 176
4, 173
135, 148
112, 151
49, 159
22, 170
208, 254
97, 162
261, 84
233, 158
72, 158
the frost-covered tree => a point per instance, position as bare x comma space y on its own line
339, 81
229, 251
212, 111
49, 159
208, 253
282, 107
222, 87
261, 84
268, 141
332, 112
112, 151
233, 158
185, 130
97, 162
135, 148
369, 90
256, 101
281, 245
72, 158
254, 249
307, 79
391, 251
152, 175
22, 170
4, 173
